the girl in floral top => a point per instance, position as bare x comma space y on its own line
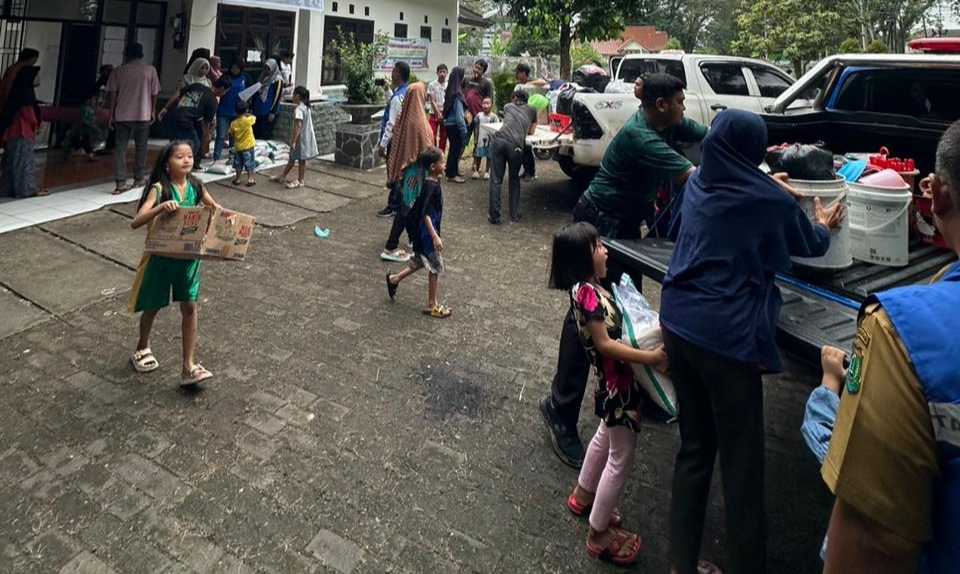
579, 263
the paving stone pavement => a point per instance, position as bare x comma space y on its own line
343, 433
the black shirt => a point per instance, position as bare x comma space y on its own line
196, 103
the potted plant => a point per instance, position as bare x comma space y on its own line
364, 97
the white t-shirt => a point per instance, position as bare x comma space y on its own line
287, 71
438, 92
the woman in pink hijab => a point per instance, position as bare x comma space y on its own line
215, 71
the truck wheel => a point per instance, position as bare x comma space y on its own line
581, 175
566, 165
542, 154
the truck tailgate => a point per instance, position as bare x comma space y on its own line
807, 320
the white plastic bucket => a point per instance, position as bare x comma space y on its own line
830, 193
879, 223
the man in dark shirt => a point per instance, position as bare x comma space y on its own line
640, 160
196, 104
519, 120
475, 89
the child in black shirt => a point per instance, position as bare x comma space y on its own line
424, 229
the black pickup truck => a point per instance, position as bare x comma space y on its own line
852, 103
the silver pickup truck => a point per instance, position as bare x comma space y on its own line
714, 83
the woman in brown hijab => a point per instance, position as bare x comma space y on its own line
411, 134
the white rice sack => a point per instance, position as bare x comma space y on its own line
220, 168
641, 330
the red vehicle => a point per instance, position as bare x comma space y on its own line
935, 45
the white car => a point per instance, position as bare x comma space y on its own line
714, 83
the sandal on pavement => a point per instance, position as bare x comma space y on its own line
704, 567
142, 182
457, 179
277, 179
196, 375
235, 181
621, 539
121, 188
250, 183
143, 361
398, 256
294, 184
439, 311
391, 287
583, 511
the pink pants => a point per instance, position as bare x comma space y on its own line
605, 468
439, 131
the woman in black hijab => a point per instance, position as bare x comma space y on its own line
19, 123
454, 105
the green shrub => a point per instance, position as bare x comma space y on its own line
851, 46
877, 47
504, 81
356, 59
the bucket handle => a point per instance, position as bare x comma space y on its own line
899, 214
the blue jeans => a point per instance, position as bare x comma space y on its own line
187, 134
223, 126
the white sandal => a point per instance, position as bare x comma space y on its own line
294, 184
196, 375
143, 361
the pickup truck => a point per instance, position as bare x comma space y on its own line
861, 102
714, 83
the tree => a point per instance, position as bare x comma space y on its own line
583, 20
673, 44
583, 53
691, 22
794, 30
470, 41
525, 40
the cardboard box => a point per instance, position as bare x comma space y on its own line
200, 233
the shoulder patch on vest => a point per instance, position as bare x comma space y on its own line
856, 361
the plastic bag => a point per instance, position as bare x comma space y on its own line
617, 87
802, 161
641, 330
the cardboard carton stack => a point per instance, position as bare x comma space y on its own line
201, 233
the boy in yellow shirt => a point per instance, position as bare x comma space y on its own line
241, 132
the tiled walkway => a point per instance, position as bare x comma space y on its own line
20, 213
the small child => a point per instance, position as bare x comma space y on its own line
84, 133
424, 228
579, 263
241, 132
482, 150
171, 186
303, 143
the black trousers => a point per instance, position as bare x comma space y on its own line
721, 409
395, 202
263, 129
573, 366
457, 144
529, 162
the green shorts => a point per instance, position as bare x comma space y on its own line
163, 275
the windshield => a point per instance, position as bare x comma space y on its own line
632, 68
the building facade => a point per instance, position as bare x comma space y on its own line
75, 37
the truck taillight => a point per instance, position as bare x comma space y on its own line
585, 126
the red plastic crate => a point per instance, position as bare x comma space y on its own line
922, 222
559, 122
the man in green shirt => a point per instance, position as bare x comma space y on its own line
640, 160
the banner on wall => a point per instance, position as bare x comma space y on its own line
410, 50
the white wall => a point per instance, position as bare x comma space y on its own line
385, 13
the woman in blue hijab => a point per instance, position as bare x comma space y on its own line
737, 228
